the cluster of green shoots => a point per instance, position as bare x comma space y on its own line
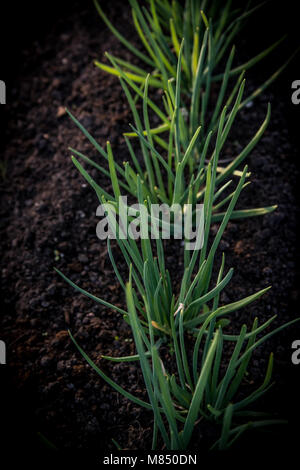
179, 164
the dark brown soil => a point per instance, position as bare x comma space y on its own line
48, 219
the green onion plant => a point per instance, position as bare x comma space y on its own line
198, 388
208, 44
174, 176
185, 46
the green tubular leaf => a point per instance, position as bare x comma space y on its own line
132, 358
143, 38
206, 92
264, 338
165, 53
133, 157
177, 350
154, 15
145, 152
129, 245
251, 333
183, 351
270, 80
212, 324
190, 147
132, 255
176, 45
160, 142
222, 89
236, 162
196, 280
110, 382
112, 260
199, 392
216, 367
235, 173
166, 401
235, 88
90, 161
195, 53
177, 103
99, 191
228, 198
200, 334
160, 37
252, 61
233, 113
234, 27
226, 309
99, 167
226, 427
157, 130
211, 294
207, 208
243, 367
134, 322
213, 411
116, 444
160, 59
183, 396
131, 177
155, 152
130, 66
197, 85
245, 213
204, 19
137, 90
160, 328
241, 303
238, 430
262, 389
176, 13
124, 358
208, 201
223, 386
187, 34
92, 140
170, 157
203, 154
170, 104
223, 224
113, 174
132, 76
120, 37
220, 190
156, 304
150, 293
91, 296
223, 20
150, 140
129, 259
183, 287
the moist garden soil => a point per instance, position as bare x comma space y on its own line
48, 219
